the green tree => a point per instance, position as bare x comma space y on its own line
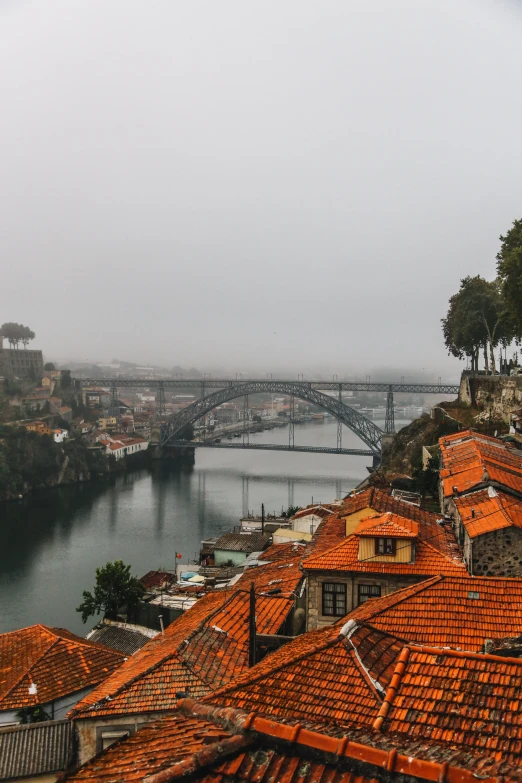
509, 268
476, 319
26, 335
49, 367
12, 333
115, 588
17, 333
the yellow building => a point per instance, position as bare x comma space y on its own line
107, 423
40, 427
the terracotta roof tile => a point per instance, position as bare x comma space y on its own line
344, 557
200, 651
277, 553
462, 699
474, 460
319, 678
488, 510
455, 611
387, 524
220, 745
55, 660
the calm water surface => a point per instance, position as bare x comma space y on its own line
51, 543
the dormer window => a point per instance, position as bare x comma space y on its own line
385, 546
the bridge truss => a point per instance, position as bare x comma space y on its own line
310, 391
365, 429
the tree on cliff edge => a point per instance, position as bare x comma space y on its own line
477, 319
509, 268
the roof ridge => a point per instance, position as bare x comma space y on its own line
450, 559
173, 653
82, 641
259, 675
353, 652
393, 687
77, 711
27, 672
330, 549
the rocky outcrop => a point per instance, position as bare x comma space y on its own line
496, 395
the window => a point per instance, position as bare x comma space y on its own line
368, 591
385, 546
334, 599
108, 738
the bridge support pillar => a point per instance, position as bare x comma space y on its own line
160, 403
389, 425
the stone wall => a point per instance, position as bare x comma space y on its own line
498, 394
498, 553
388, 583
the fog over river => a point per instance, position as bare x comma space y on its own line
52, 542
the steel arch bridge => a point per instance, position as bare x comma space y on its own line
365, 429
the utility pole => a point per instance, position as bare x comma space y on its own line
252, 627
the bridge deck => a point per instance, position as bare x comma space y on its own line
272, 447
221, 383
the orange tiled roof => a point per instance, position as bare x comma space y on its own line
344, 557
474, 459
277, 553
467, 700
285, 575
440, 536
318, 677
455, 611
387, 524
56, 661
212, 745
488, 510
200, 651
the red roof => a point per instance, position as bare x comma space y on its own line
344, 557
455, 611
210, 745
474, 459
56, 661
468, 700
439, 535
387, 525
487, 510
319, 678
200, 651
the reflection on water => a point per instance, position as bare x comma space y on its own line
52, 542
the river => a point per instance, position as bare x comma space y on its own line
52, 542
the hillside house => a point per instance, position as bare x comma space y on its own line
375, 544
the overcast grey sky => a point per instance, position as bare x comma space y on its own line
254, 183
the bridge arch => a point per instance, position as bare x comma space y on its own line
365, 429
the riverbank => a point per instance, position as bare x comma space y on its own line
51, 542
30, 462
